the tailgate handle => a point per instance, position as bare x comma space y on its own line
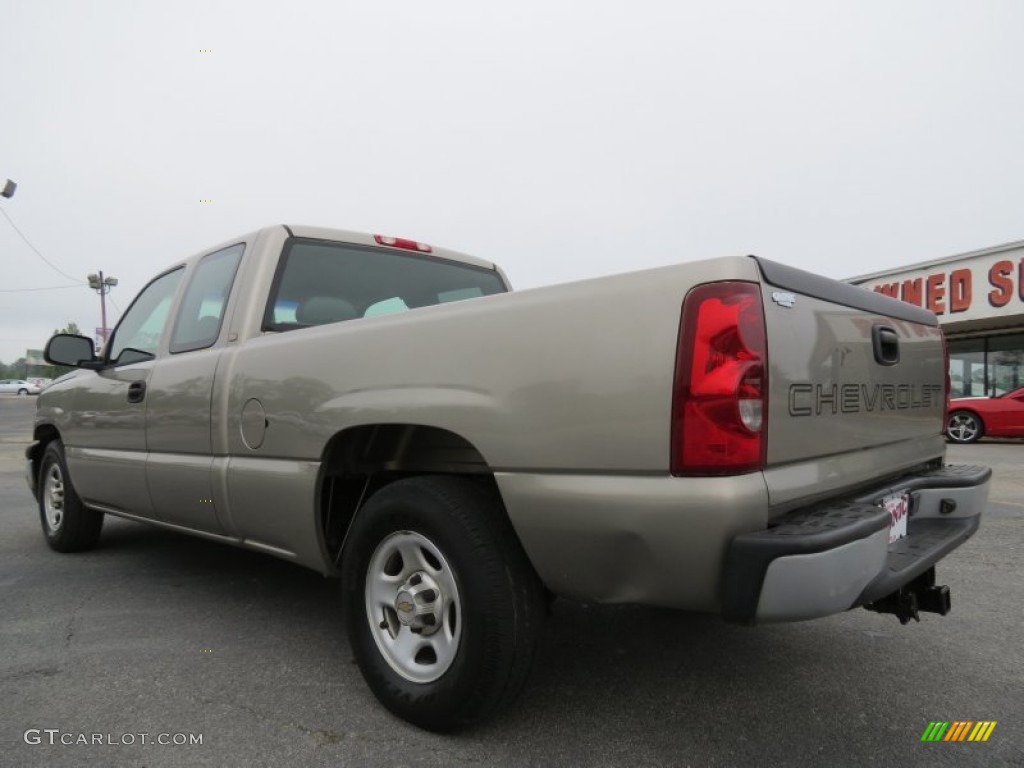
886, 345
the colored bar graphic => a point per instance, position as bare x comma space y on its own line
982, 730
935, 730
958, 730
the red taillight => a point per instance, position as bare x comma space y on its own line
401, 242
720, 397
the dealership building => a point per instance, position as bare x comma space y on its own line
979, 298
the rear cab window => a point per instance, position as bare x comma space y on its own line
319, 282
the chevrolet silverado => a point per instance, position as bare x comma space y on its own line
732, 435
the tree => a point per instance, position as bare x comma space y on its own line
15, 370
20, 370
55, 371
71, 327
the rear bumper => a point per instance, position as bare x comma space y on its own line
833, 557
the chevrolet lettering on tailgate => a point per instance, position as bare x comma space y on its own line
816, 399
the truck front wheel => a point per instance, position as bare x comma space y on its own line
69, 526
442, 606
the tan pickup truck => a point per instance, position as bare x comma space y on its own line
732, 435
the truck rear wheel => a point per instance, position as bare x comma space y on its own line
442, 606
69, 526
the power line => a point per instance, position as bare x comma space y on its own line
35, 250
51, 288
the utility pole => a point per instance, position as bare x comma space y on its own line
102, 286
8, 192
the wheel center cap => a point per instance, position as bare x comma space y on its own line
419, 603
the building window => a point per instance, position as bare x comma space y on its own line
967, 368
986, 367
1005, 363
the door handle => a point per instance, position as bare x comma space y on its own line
136, 391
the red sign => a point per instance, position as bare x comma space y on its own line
953, 292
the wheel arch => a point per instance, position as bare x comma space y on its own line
359, 461
967, 409
43, 434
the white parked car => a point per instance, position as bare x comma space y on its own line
19, 386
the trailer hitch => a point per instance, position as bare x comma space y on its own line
917, 596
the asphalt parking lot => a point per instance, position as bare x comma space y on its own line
160, 634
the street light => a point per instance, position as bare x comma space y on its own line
102, 286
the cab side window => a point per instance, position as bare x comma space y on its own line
137, 336
201, 315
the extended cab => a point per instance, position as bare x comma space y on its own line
733, 436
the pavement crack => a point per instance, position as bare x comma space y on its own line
69, 629
323, 737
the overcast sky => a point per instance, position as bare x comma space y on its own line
562, 140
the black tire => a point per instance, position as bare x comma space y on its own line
68, 525
964, 427
489, 622
22, 391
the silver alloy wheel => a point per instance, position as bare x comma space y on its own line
413, 606
963, 427
53, 498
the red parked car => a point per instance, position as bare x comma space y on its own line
971, 417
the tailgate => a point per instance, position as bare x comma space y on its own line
856, 384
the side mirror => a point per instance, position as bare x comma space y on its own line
68, 349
